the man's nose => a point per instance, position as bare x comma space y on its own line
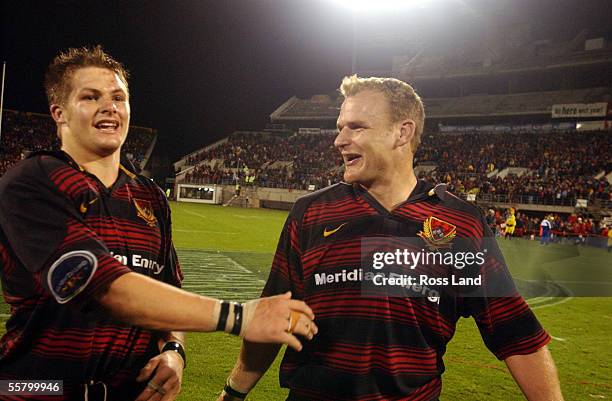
342, 139
108, 106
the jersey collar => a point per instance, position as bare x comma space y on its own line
423, 190
127, 171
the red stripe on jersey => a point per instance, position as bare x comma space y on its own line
526, 346
140, 191
74, 184
60, 174
504, 309
293, 238
364, 358
280, 266
110, 221
324, 212
349, 303
342, 253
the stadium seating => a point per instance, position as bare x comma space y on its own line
278, 161
28, 132
559, 167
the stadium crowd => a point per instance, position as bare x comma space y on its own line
558, 169
277, 161
23, 133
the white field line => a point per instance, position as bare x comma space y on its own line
562, 301
219, 276
242, 216
196, 214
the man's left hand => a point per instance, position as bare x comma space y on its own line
164, 375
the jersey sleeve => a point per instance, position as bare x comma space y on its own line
506, 323
286, 266
50, 238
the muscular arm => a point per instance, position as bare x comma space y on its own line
142, 301
536, 375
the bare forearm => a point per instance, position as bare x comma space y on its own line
536, 375
141, 301
254, 361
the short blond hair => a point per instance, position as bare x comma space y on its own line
404, 102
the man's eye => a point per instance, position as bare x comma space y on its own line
119, 99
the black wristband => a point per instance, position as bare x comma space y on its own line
234, 393
223, 314
237, 319
178, 348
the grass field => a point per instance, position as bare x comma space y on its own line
226, 253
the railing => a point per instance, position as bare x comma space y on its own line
527, 199
524, 199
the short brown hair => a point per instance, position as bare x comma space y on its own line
59, 72
404, 102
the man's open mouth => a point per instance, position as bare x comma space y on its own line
107, 126
351, 159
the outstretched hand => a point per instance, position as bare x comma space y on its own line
269, 320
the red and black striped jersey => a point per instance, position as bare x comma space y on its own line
382, 348
64, 237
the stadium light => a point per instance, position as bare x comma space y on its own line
381, 5
364, 8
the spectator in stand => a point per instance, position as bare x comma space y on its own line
580, 232
545, 231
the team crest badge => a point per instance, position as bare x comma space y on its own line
145, 211
437, 233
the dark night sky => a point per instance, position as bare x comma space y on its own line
202, 69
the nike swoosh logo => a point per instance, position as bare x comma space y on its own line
83, 208
327, 233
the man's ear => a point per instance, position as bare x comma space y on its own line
57, 112
407, 129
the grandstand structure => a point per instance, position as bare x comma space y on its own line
524, 123
25, 132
